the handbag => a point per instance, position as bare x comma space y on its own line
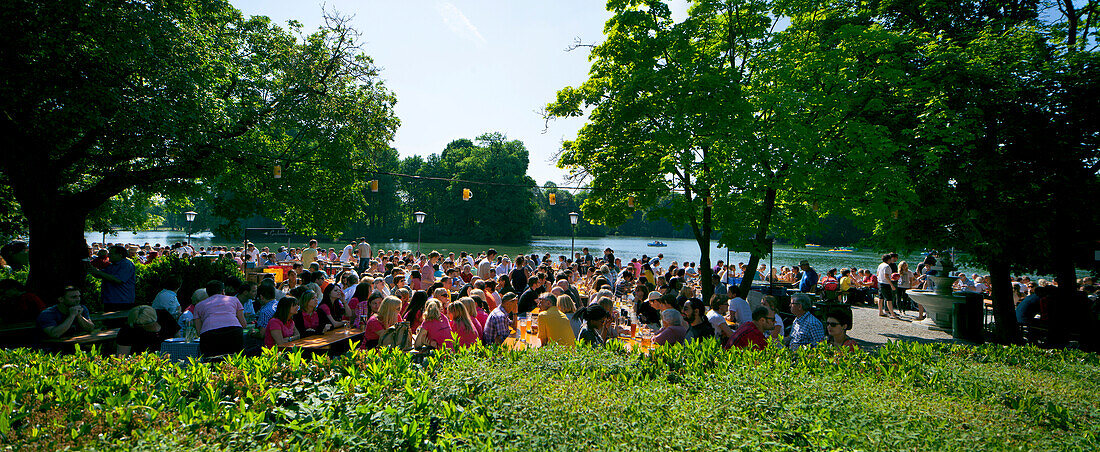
396, 336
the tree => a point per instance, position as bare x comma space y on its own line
101, 97
1004, 146
745, 124
501, 207
129, 210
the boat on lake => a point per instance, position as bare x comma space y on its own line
843, 249
812, 245
657, 243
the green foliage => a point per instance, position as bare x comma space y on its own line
904, 396
130, 210
494, 213
195, 273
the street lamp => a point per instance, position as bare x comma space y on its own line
190, 216
419, 224
573, 217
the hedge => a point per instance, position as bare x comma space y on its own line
697, 397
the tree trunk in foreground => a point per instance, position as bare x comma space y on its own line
1004, 309
761, 235
57, 246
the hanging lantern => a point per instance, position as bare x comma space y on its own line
553, 199
630, 201
278, 171
895, 213
816, 206
374, 185
466, 195
710, 203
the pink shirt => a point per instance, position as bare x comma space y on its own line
438, 331
373, 329
276, 324
427, 274
218, 311
465, 337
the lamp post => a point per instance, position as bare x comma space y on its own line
419, 224
190, 216
573, 217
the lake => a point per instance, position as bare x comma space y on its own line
679, 250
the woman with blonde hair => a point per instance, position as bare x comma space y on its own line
435, 330
461, 323
566, 306
387, 315
141, 332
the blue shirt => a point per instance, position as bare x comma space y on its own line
52, 316
265, 314
806, 330
123, 292
497, 326
809, 282
1027, 309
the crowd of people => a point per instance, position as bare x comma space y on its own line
414, 300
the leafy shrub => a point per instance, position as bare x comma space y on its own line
195, 272
694, 397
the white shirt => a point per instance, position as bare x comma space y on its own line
741, 310
345, 256
167, 300
364, 251
716, 320
884, 273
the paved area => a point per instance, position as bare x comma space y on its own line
871, 331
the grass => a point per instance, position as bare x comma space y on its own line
699, 397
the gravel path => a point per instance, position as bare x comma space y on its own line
872, 331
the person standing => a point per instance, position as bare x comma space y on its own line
309, 255
486, 264
220, 322
886, 287
119, 280
808, 283
363, 250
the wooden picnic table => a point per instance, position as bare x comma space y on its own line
86, 339
326, 340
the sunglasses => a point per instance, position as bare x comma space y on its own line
832, 324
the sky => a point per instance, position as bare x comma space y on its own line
463, 68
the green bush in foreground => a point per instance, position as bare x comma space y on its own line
904, 396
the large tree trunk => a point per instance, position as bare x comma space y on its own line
703, 239
761, 236
57, 246
1004, 309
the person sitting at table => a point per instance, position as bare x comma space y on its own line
143, 331
332, 306
415, 311
268, 300
461, 323
554, 326
387, 315
646, 308
566, 306
751, 334
594, 317
17, 305
500, 323
773, 304
67, 317
166, 299
699, 327
220, 322
673, 331
435, 330
473, 308
716, 316
739, 311
807, 329
281, 328
308, 320
838, 324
